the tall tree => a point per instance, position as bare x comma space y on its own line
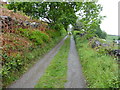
90, 18
54, 12
63, 13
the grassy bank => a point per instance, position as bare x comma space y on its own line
101, 71
24, 55
24, 41
56, 73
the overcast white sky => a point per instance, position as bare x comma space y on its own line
110, 9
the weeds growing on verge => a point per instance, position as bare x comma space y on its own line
101, 71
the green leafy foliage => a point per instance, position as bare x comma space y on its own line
35, 35
100, 33
53, 34
12, 65
89, 20
62, 30
55, 12
61, 14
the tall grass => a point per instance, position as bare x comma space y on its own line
101, 71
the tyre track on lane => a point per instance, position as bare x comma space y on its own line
75, 77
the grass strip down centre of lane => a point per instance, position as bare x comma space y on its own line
55, 75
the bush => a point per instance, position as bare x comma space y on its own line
76, 32
36, 36
62, 31
59, 27
53, 33
12, 65
100, 33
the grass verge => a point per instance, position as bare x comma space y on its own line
56, 73
101, 71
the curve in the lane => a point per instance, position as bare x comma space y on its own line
31, 77
75, 77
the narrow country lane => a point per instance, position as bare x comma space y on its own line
75, 77
30, 78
